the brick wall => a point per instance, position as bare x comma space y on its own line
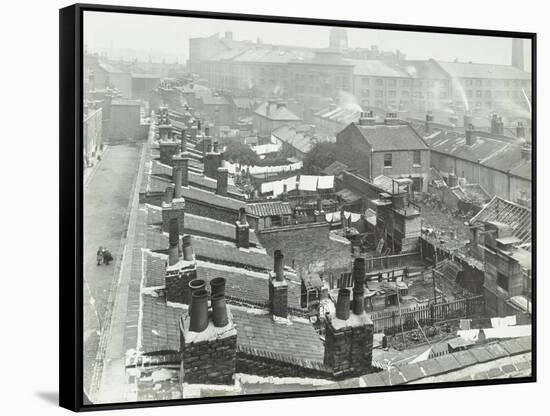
306, 245
209, 211
177, 283
209, 362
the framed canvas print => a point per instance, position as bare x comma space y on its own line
265, 207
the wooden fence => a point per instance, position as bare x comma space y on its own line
391, 322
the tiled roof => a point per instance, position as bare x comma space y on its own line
490, 71
155, 269
295, 340
276, 112
516, 216
267, 209
159, 325
480, 151
384, 137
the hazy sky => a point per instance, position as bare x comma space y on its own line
168, 37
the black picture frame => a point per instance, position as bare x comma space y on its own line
71, 394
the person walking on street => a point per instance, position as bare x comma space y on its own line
107, 256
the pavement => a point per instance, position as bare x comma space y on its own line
106, 207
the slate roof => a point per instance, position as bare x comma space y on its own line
159, 325
383, 137
260, 332
276, 112
516, 216
268, 209
490, 71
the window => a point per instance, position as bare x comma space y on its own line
416, 157
391, 82
379, 93
379, 81
502, 281
391, 93
365, 80
387, 160
478, 94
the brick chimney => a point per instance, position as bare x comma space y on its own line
183, 142
208, 344
470, 135
179, 274
349, 337
193, 133
165, 129
242, 229
212, 161
221, 183
391, 118
278, 287
366, 118
168, 149
429, 121
173, 239
173, 209
181, 162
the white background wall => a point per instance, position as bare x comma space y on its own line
29, 149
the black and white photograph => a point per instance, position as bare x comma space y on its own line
275, 208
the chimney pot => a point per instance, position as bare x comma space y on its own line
173, 241
342, 304
198, 311
278, 266
217, 286
219, 310
358, 285
168, 194
187, 247
177, 173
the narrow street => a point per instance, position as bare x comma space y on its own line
106, 200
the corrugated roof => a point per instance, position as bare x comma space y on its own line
516, 216
267, 209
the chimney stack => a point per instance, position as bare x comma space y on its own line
342, 304
221, 183
210, 358
168, 194
526, 152
367, 118
177, 177
183, 140
467, 120
188, 254
179, 274
242, 229
429, 120
470, 136
193, 133
168, 149
173, 239
358, 285
212, 160
181, 162
391, 118
278, 287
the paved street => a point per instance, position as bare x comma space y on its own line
106, 200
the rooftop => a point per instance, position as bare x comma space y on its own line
391, 137
490, 71
267, 209
276, 111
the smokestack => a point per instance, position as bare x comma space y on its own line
173, 240
242, 229
198, 311
221, 183
187, 248
177, 175
278, 266
358, 286
342, 304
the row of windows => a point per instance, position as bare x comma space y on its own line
502, 82
388, 159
